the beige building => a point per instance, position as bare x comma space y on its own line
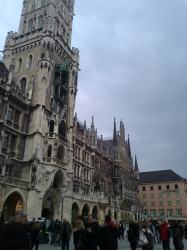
51, 164
163, 194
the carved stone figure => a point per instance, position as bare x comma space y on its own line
33, 176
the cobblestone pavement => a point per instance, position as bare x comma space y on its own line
121, 245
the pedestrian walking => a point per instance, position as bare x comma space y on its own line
133, 234
121, 231
35, 236
65, 234
165, 235
79, 234
13, 235
92, 233
177, 239
148, 234
108, 235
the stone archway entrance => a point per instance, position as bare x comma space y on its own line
13, 204
75, 212
85, 212
48, 210
95, 212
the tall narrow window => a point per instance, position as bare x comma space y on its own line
30, 61
30, 27
43, 3
10, 113
20, 64
40, 22
5, 140
23, 83
33, 6
49, 151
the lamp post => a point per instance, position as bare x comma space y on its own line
63, 195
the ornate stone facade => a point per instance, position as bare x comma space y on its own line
44, 148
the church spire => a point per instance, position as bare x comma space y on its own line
129, 148
114, 134
136, 169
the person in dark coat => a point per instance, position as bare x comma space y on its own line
92, 233
108, 235
35, 236
149, 235
177, 238
133, 234
65, 234
79, 232
121, 231
13, 235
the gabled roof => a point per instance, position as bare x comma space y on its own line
159, 176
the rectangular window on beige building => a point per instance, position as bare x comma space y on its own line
144, 196
143, 188
177, 194
168, 195
160, 203
169, 203
151, 188
176, 186
179, 212
153, 212
167, 187
170, 212
152, 203
178, 203
145, 204
152, 196
160, 195
161, 212
159, 187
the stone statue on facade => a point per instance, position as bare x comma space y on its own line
33, 176
7, 164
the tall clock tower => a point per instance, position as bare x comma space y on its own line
43, 73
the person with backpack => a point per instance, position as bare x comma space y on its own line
148, 234
165, 235
133, 234
79, 236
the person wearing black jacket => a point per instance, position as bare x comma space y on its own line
79, 233
133, 234
92, 233
108, 235
35, 236
13, 235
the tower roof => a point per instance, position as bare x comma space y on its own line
129, 148
114, 134
136, 169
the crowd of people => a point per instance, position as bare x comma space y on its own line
21, 235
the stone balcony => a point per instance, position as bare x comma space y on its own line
14, 182
58, 137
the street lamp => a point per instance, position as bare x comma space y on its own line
63, 195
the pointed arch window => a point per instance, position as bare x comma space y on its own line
20, 64
60, 153
23, 83
30, 27
40, 22
43, 3
30, 61
49, 151
33, 7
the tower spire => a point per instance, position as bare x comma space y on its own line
129, 148
136, 169
114, 134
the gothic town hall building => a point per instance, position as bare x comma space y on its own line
51, 164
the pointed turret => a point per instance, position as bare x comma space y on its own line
115, 135
92, 123
129, 148
136, 169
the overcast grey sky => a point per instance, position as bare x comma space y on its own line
133, 60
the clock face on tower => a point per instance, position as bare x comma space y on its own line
62, 9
